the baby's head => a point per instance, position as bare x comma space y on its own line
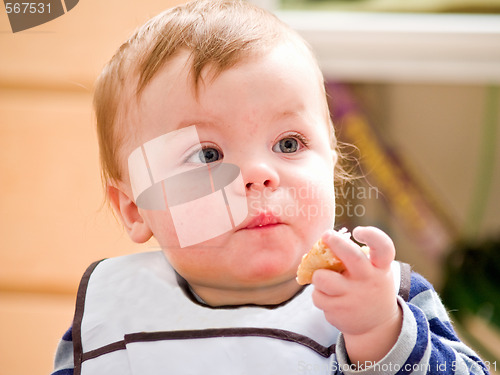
217, 35
252, 92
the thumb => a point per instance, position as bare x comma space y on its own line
382, 251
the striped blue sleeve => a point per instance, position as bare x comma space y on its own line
447, 354
63, 363
427, 343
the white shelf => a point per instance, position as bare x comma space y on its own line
397, 47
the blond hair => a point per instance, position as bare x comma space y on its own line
217, 33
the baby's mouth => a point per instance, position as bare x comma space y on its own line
263, 219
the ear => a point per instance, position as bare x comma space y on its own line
129, 214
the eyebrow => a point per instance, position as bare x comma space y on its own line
287, 113
280, 115
202, 123
291, 113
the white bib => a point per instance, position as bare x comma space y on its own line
134, 318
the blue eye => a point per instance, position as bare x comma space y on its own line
209, 155
206, 155
290, 144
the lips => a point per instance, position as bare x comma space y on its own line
263, 219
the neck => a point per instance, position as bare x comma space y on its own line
266, 295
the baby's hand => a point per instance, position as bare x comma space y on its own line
361, 301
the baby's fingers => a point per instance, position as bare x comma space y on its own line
328, 282
355, 261
329, 289
382, 251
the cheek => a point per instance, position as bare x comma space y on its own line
162, 226
316, 193
186, 260
318, 206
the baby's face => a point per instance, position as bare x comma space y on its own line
266, 116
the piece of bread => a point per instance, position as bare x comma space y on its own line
321, 257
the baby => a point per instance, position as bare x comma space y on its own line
216, 139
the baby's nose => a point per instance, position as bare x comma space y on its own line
258, 176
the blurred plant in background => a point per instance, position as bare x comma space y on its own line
471, 293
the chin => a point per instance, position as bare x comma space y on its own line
267, 271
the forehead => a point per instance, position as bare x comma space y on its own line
284, 79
